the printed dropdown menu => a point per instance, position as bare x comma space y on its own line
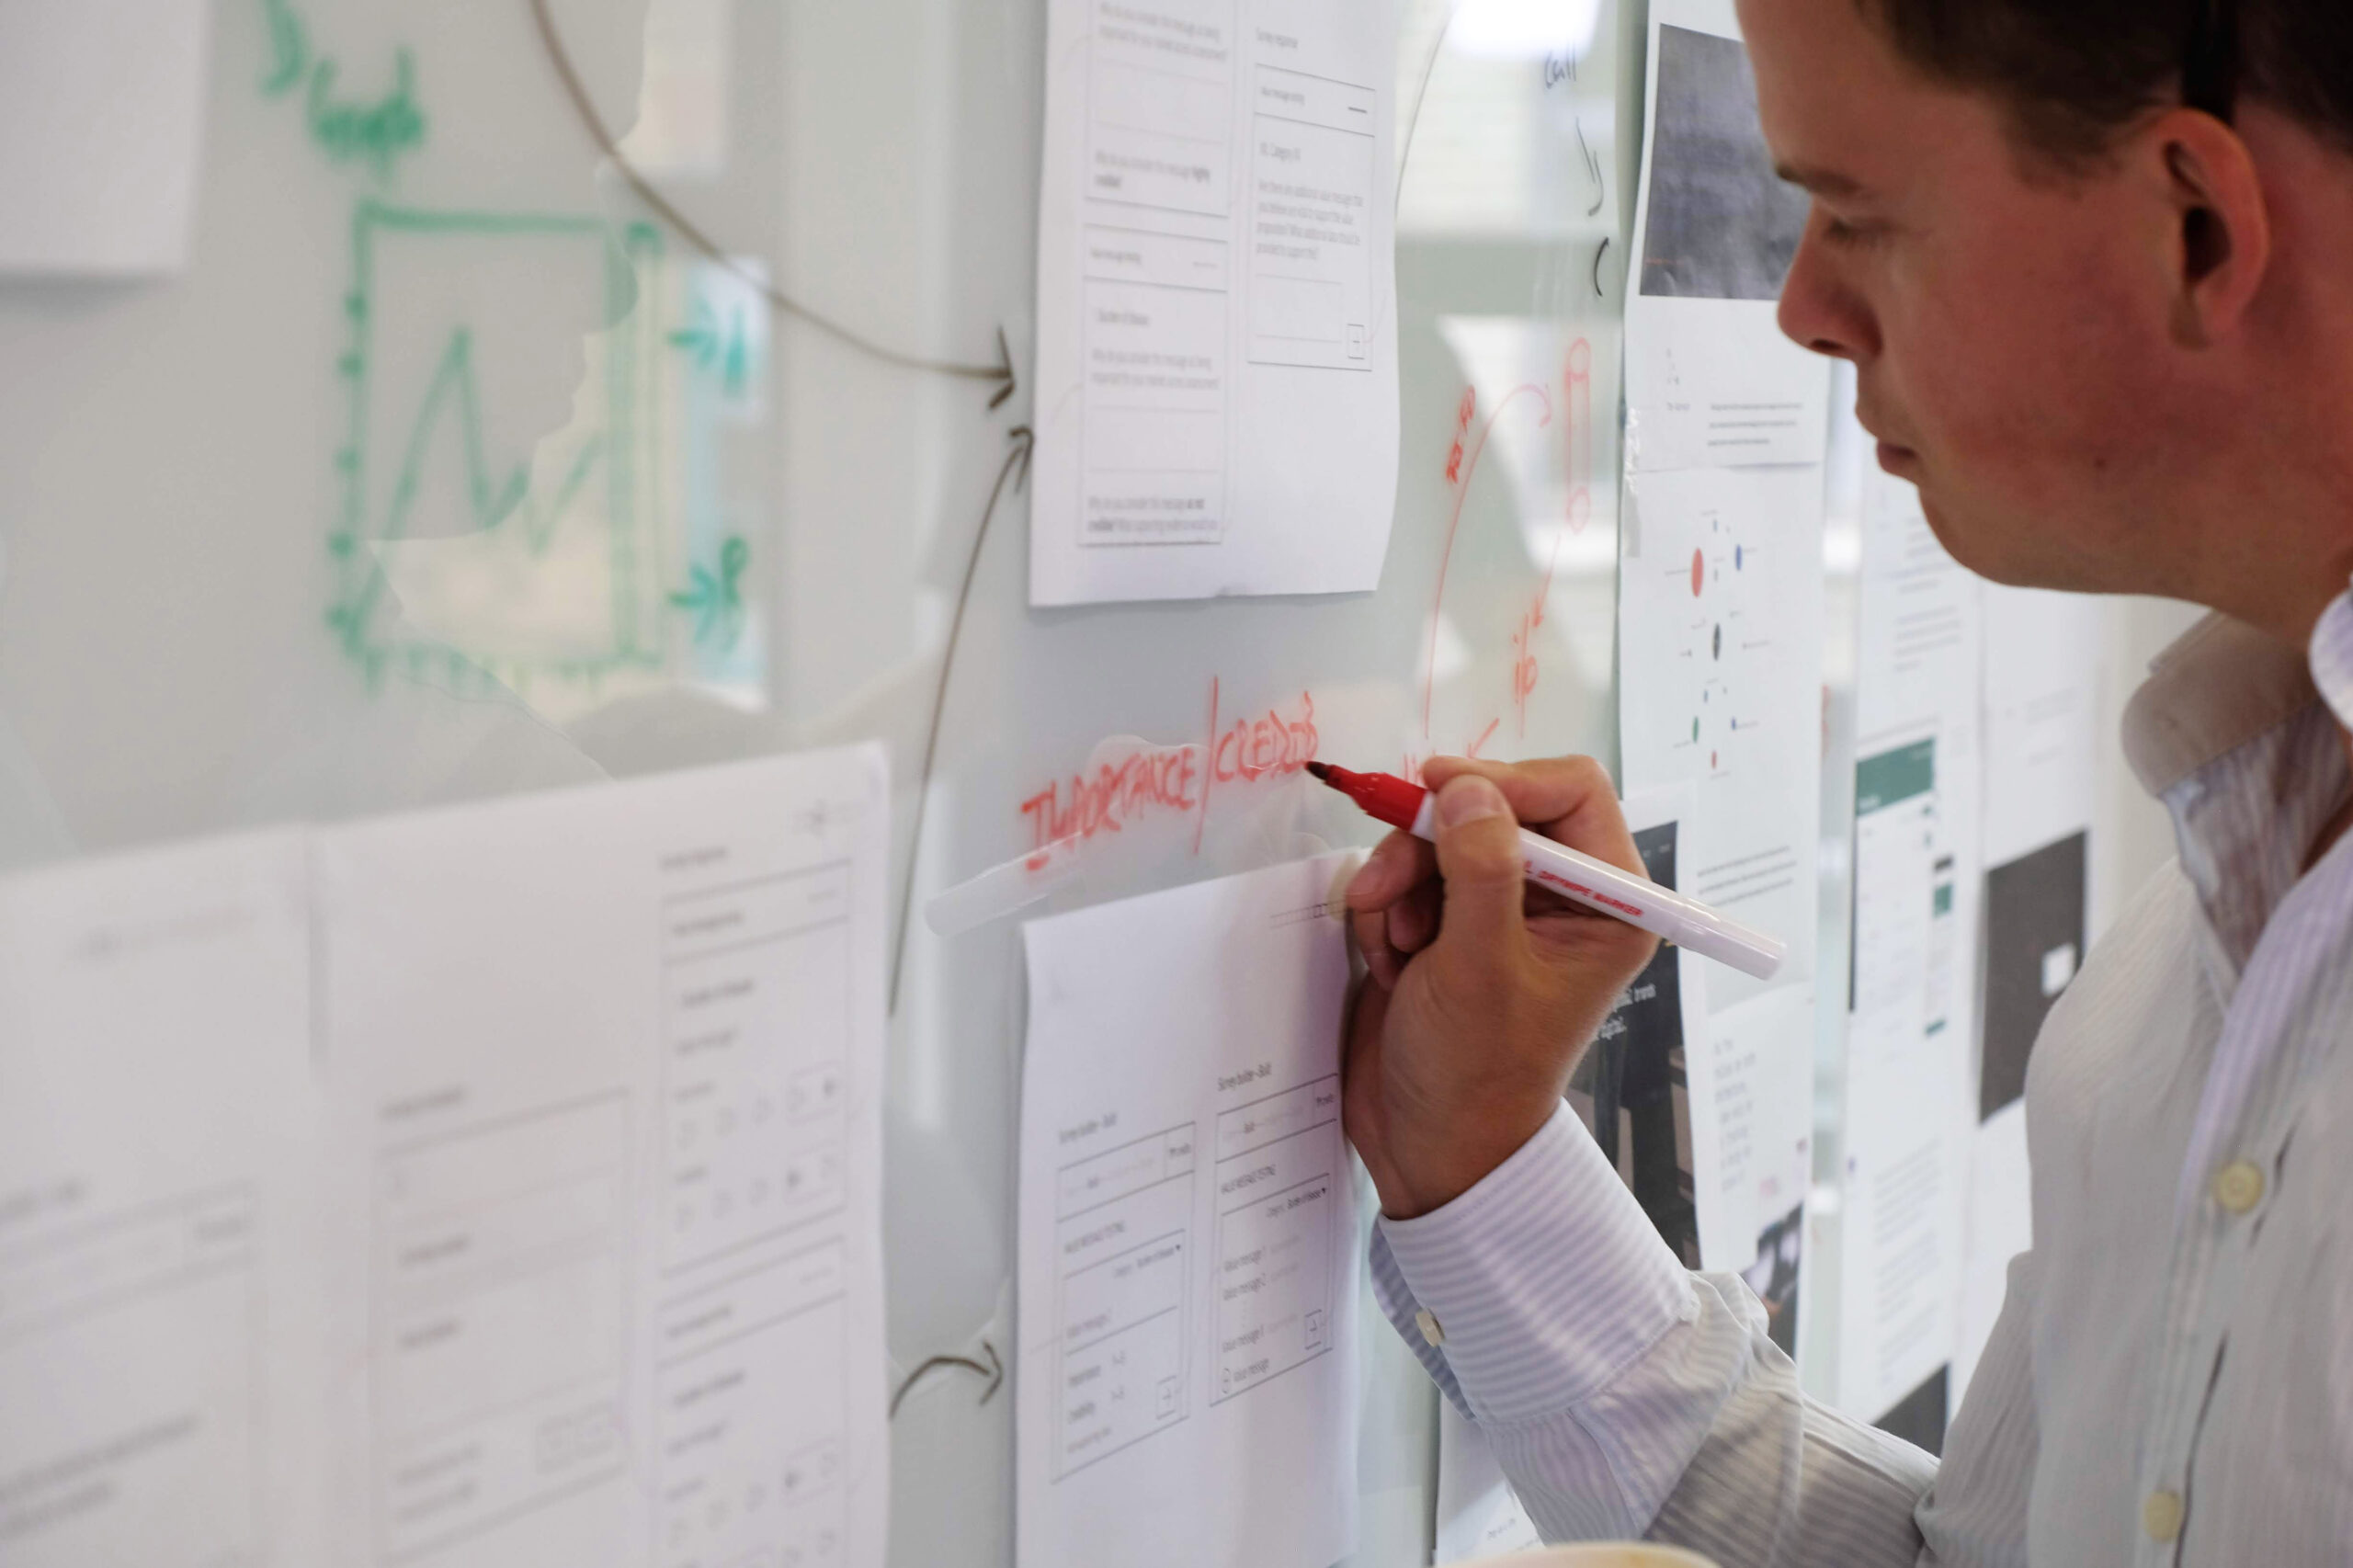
1124, 1219
1277, 1160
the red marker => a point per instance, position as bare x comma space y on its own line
1596, 884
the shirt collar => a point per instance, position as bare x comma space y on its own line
2238, 737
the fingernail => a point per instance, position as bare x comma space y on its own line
1469, 798
1372, 875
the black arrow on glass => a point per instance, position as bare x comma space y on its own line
999, 375
993, 1371
1016, 471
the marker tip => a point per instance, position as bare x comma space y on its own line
1322, 773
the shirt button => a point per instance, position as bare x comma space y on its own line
2238, 1186
2160, 1517
1427, 1321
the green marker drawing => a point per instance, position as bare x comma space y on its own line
374, 134
290, 49
716, 601
707, 345
493, 492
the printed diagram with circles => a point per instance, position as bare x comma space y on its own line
1724, 648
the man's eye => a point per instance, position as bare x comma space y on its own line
1850, 233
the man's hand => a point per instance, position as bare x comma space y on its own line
1483, 992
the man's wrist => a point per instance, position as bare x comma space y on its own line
1436, 1161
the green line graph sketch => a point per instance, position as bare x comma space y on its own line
481, 536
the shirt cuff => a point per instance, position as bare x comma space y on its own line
1546, 1280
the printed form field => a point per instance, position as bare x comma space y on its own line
1124, 1245
1277, 1162
137, 1339
502, 1351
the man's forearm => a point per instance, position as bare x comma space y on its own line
1623, 1394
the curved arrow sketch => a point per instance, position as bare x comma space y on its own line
1000, 373
993, 1371
1017, 471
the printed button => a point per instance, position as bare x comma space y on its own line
2160, 1517
1428, 1321
2238, 1186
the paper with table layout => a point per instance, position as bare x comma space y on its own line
158, 1351
1190, 1236
102, 107
522, 1162
1216, 343
1911, 1000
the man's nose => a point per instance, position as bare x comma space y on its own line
1820, 308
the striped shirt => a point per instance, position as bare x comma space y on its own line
2171, 1379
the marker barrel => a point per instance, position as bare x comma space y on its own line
1637, 900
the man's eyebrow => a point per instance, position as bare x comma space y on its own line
1820, 181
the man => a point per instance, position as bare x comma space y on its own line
2093, 260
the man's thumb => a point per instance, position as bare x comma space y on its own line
1478, 856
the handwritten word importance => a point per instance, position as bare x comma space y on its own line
1172, 780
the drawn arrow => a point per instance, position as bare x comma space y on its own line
999, 375
993, 1371
1016, 471
1592, 170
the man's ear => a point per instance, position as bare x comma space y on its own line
2221, 246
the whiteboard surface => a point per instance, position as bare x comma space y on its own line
451, 468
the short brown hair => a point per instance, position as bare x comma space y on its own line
2076, 73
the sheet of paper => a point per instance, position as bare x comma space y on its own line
157, 1365
2001, 1226
1923, 625
606, 1075
1190, 1239
101, 135
2042, 664
1720, 650
1752, 1133
1710, 379
2044, 655
1478, 1514
1910, 1104
1217, 342
1908, 1093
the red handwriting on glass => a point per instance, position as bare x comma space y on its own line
1524, 670
1463, 411
1269, 745
1460, 469
1171, 781
1576, 436
1114, 795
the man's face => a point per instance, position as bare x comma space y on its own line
2007, 329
